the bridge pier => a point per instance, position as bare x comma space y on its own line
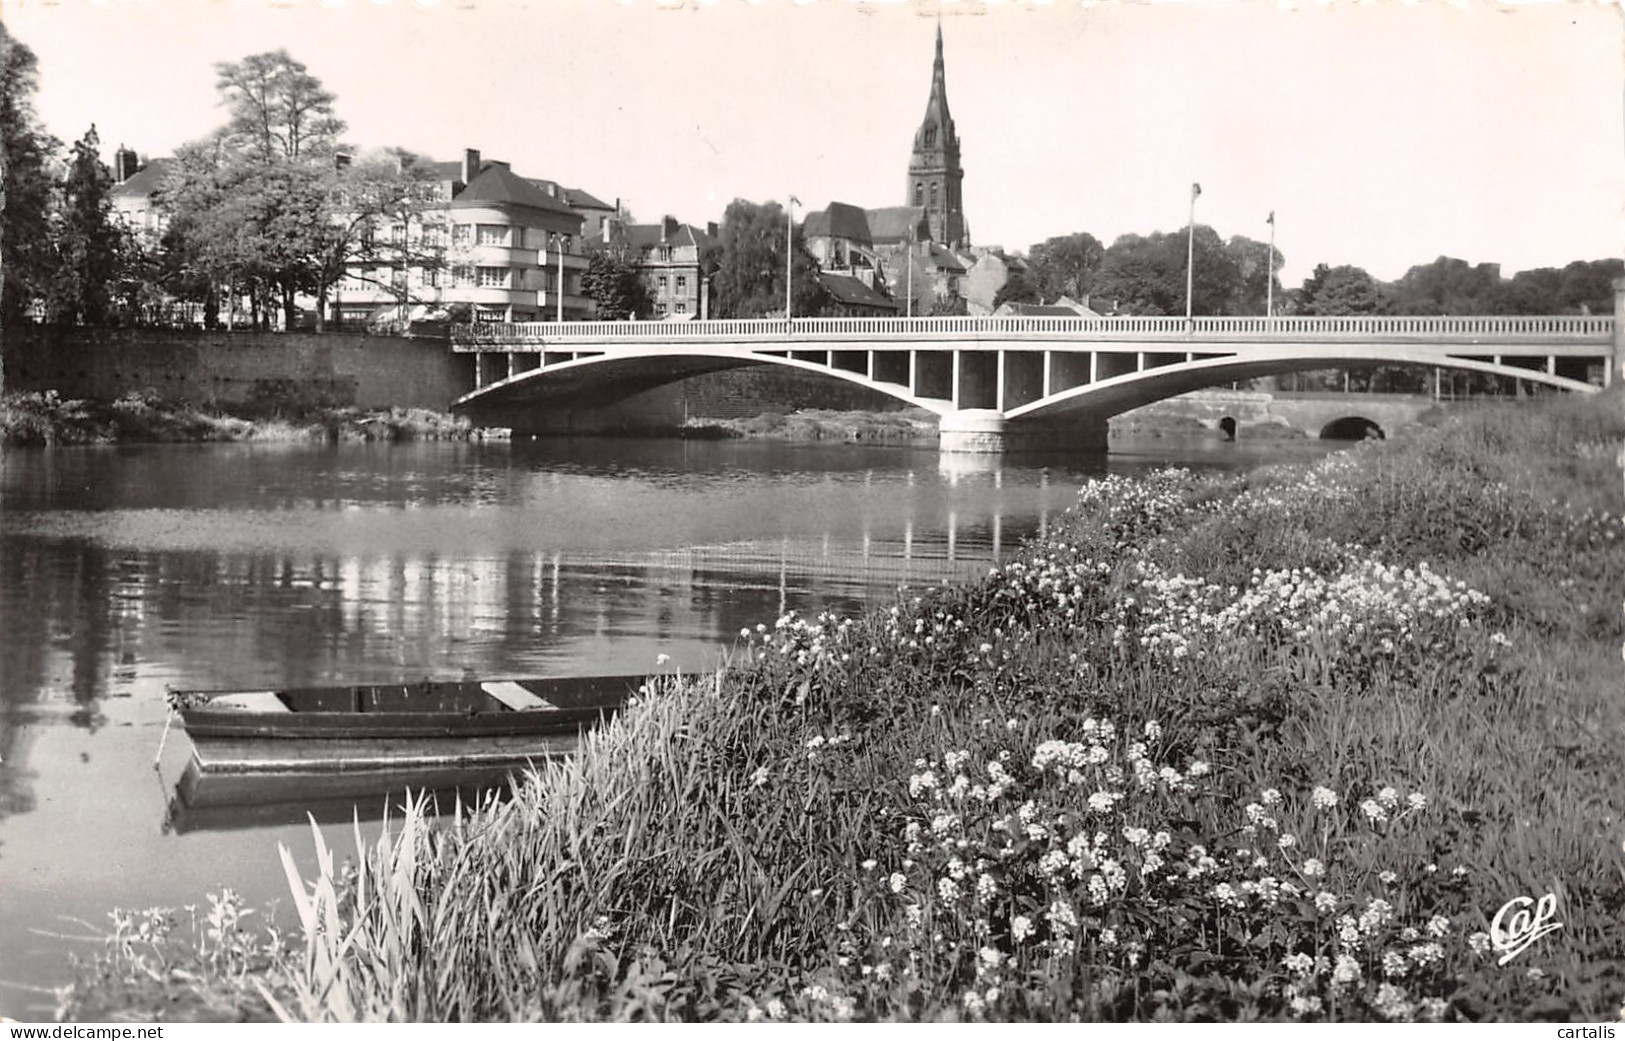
977, 430
986, 431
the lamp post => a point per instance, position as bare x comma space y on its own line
909, 245
1269, 286
789, 258
1190, 250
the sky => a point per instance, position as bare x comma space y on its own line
1381, 134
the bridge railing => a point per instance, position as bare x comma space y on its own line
1471, 328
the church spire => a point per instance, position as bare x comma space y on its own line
934, 173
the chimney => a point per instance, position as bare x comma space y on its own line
553, 189
711, 228
471, 164
125, 164
611, 228
668, 228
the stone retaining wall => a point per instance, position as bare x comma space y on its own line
256, 371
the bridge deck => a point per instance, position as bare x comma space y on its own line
1591, 330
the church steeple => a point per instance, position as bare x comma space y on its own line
934, 173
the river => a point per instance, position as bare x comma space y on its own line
125, 571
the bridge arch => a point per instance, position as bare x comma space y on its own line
599, 380
1352, 428
1118, 394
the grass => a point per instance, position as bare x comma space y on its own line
48, 419
1273, 746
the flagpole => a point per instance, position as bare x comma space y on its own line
1269, 286
789, 254
1190, 250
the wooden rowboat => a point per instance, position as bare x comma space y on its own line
386, 727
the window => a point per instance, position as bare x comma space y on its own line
682, 282
493, 235
919, 193
493, 278
930, 137
682, 308
462, 275
665, 254
662, 282
462, 234
397, 234
933, 193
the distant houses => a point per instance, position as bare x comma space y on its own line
500, 246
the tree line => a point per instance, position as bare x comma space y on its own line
1145, 275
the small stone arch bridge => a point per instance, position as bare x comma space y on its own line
1003, 383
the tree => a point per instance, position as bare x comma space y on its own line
1588, 286
91, 247
278, 109
1064, 266
1451, 286
1016, 290
750, 264
1341, 290
1146, 274
1255, 263
383, 212
265, 207
614, 282
26, 258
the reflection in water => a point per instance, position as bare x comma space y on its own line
126, 571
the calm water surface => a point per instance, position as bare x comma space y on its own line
124, 571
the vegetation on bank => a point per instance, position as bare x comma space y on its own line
1264, 746
817, 424
49, 419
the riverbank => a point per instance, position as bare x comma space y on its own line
48, 419
912, 425
1274, 745
918, 426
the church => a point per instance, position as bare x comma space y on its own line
919, 253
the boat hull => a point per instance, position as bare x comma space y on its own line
489, 724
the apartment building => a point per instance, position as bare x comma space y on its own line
672, 261
504, 245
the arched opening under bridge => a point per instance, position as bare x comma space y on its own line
1352, 428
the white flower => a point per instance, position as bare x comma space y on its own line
1323, 798
990, 957
1388, 878
1325, 901
1021, 927
1347, 970
1269, 796
897, 881
1416, 800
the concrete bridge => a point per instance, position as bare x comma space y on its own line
1006, 383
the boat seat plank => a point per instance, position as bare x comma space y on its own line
515, 696
251, 701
